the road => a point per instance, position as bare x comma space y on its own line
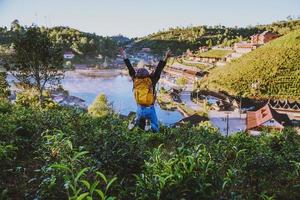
185, 96
236, 122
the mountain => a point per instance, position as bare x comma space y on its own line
271, 71
180, 39
69, 39
121, 40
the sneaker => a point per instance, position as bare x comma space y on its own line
147, 126
132, 123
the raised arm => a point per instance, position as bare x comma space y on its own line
127, 63
160, 67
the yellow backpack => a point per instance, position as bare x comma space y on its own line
143, 91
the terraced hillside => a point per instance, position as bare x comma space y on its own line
271, 71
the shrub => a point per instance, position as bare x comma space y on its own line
30, 97
4, 87
100, 107
181, 81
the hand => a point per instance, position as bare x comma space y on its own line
167, 55
123, 53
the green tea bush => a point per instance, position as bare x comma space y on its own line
31, 98
44, 150
237, 167
4, 90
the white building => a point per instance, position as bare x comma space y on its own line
69, 55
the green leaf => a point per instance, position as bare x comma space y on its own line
61, 167
94, 185
101, 194
102, 176
82, 196
110, 198
224, 184
110, 183
86, 184
78, 155
74, 189
70, 145
81, 173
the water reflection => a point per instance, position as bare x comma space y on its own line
118, 89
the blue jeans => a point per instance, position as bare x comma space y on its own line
149, 113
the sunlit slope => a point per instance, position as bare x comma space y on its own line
271, 71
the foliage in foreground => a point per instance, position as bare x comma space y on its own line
64, 153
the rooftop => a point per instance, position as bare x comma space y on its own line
264, 114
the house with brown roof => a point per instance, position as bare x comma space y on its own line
188, 72
244, 47
266, 117
256, 41
264, 37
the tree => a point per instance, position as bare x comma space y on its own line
36, 62
15, 25
100, 107
4, 87
209, 43
181, 81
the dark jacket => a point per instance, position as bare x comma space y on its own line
154, 76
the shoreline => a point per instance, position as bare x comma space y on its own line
99, 72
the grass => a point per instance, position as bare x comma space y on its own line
198, 65
215, 53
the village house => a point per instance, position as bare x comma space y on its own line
202, 59
69, 55
146, 50
189, 72
266, 117
244, 47
263, 38
257, 40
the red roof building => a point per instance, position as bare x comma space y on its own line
263, 38
266, 117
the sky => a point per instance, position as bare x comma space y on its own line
135, 18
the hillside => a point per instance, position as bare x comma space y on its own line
281, 27
271, 71
69, 39
180, 39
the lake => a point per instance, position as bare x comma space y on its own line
117, 88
